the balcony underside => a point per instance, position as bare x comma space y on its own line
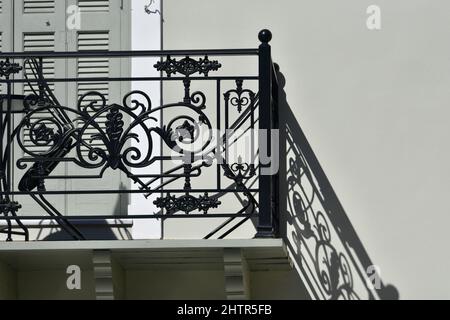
150, 269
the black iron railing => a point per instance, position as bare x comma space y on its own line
96, 136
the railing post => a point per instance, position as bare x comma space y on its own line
279, 143
265, 227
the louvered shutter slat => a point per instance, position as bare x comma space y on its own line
93, 67
39, 6
38, 42
93, 6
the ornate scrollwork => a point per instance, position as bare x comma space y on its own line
142, 105
98, 145
40, 134
184, 135
187, 66
33, 101
43, 132
10, 208
187, 203
7, 206
198, 99
8, 68
240, 172
239, 97
89, 102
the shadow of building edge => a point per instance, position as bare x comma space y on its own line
334, 210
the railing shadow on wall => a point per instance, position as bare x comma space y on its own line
320, 238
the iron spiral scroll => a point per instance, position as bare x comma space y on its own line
114, 151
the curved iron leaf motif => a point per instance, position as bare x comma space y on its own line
239, 97
187, 203
7, 68
187, 66
198, 99
240, 172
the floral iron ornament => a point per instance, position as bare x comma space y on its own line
187, 203
187, 66
240, 172
239, 97
8, 68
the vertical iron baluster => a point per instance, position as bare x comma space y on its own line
8, 136
218, 146
252, 133
276, 177
7, 157
187, 90
227, 125
265, 226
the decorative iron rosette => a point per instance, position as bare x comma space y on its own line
7, 68
187, 203
187, 66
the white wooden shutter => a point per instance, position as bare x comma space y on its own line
37, 27
102, 29
6, 27
41, 25
5, 30
1, 85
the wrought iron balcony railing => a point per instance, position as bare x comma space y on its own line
169, 154
189, 137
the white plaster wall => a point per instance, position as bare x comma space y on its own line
145, 35
375, 107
